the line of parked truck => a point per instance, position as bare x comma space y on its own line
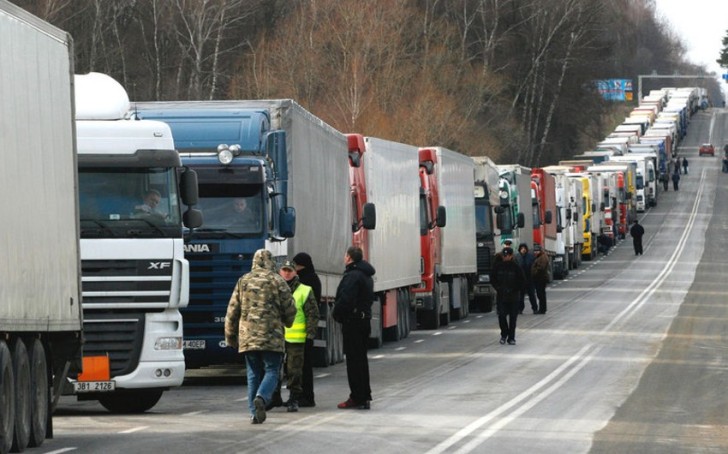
126, 243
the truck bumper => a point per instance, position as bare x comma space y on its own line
424, 301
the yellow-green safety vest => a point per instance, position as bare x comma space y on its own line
296, 334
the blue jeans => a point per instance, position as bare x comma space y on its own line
263, 370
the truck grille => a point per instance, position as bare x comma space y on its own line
119, 282
484, 259
212, 279
118, 335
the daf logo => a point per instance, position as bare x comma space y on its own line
159, 265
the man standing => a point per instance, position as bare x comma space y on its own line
637, 231
303, 329
540, 276
353, 309
525, 259
307, 275
260, 306
675, 179
507, 278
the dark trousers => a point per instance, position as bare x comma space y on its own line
637, 243
674, 184
307, 377
294, 369
507, 317
541, 294
356, 337
529, 290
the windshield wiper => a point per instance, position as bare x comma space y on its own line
104, 228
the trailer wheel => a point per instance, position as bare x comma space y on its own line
21, 368
131, 401
40, 396
7, 398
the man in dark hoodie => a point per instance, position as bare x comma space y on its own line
307, 275
353, 309
525, 259
508, 280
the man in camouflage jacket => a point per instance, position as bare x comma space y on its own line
260, 306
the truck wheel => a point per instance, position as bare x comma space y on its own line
430, 319
40, 397
131, 401
7, 398
444, 317
21, 368
464, 298
377, 340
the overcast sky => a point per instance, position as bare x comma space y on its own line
701, 24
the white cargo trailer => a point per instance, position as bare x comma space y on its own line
40, 296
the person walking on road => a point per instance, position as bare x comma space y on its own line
637, 231
259, 308
675, 179
540, 276
685, 165
525, 259
353, 309
508, 280
307, 275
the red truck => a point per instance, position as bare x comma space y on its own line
385, 191
448, 258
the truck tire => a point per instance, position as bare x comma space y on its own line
131, 401
40, 394
444, 317
7, 398
21, 370
376, 340
430, 319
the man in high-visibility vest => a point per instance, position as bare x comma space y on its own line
304, 326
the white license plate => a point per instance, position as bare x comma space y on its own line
193, 345
94, 386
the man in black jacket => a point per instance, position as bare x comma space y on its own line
508, 280
353, 309
637, 231
307, 275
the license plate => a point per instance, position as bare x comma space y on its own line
193, 345
94, 386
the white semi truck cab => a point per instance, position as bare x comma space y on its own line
134, 274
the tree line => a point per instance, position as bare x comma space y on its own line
511, 79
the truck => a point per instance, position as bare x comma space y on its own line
447, 235
546, 234
645, 181
588, 245
515, 216
487, 237
274, 154
41, 320
385, 188
135, 277
569, 206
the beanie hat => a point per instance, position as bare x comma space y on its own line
303, 259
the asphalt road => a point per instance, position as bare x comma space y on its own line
631, 357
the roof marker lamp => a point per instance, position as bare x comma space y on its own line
225, 153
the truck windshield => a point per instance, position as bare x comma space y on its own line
129, 202
232, 208
640, 183
483, 220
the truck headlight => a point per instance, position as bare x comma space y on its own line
484, 279
168, 343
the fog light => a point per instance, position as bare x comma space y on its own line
158, 373
168, 343
167, 372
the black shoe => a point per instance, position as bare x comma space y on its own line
259, 404
511, 342
503, 341
303, 402
254, 420
535, 311
292, 406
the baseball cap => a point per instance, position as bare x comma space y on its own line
288, 265
507, 251
507, 241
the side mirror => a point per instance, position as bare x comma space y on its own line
593, 207
568, 214
499, 219
441, 220
192, 218
287, 222
369, 216
602, 207
629, 195
188, 187
548, 217
521, 220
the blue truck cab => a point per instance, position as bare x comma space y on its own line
242, 179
